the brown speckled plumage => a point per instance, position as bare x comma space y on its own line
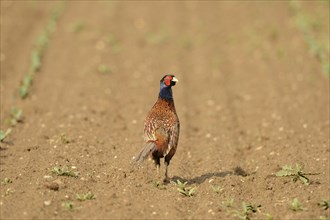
161, 127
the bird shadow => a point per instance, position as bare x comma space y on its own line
237, 171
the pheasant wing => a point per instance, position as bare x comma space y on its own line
174, 136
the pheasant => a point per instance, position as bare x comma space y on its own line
161, 127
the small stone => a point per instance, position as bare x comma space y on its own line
53, 186
47, 203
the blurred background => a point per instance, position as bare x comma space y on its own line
78, 77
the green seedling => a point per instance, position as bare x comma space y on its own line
35, 66
87, 196
56, 13
68, 205
42, 40
308, 26
216, 62
64, 139
280, 52
217, 189
296, 172
324, 204
51, 26
25, 85
159, 185
295, 205
64, 171
184, 190
16, 115
4, 134
116, 48
268, 216
6, 181
186, 43
58, 10
38, 51
114, 43
246, 212
157, 38
103, 68
111, 40
77, 26
36, 60
228, 203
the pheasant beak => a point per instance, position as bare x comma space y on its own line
175, 80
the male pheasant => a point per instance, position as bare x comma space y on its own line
161, 127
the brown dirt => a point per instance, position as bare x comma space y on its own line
250, 96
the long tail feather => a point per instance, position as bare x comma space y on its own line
145, 152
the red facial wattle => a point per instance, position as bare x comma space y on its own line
167, 80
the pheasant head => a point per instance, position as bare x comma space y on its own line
166, 84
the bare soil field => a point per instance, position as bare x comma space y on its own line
252, 97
